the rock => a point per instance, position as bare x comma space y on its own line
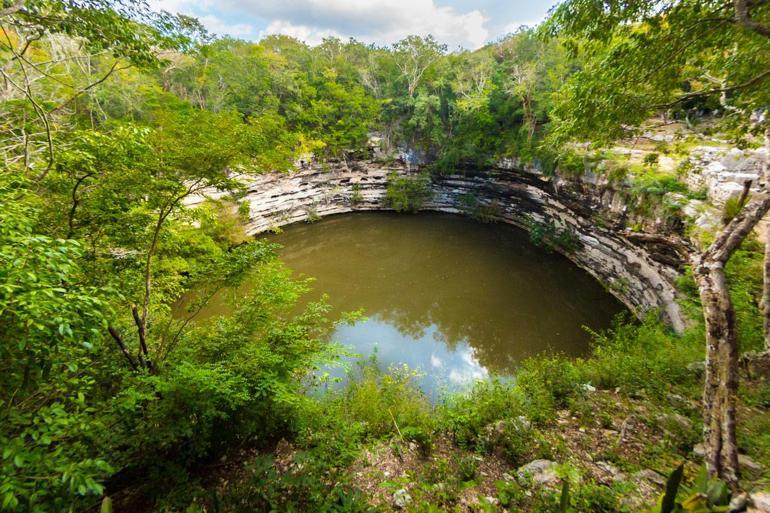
674, 419
492, 500
524, 422
760, 502
744, 461
539, 472
676, 400
747, 463
279, 199
738, 503
613, 471
401, 498
699, 450
588, 387
649, 476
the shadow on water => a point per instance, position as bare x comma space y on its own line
454, 298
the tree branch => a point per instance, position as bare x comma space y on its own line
140, 329
18, 6
737, 230
700, 94
112, 70
743, 17
116, 336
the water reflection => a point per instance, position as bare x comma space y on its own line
441, 367
452, 297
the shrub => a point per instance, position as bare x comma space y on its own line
646, 356
421, 436
513, 437
355, 196
466, 416
471, 206
732, 207
385, 402
572, 164
547, 383
467, 467
551, 237
651, 159
408, 193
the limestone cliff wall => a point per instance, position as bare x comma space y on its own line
630, 272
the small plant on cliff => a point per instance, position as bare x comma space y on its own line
551, 237
356, 197
312, 214
651, 159
471, 206
407, 193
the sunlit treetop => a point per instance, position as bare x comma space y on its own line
127, 28
645, 56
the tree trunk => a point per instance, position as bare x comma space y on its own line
719, 316
721, 380
766, 274
766, 290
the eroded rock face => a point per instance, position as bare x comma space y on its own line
628, 270
722, 172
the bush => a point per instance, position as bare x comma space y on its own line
547, 383
651, 159
646, 356
471, 206
552, 237
421, 436
385, 402
466, 416
408, 193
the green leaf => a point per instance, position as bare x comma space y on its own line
668, 503
564, 501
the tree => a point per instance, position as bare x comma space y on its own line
50, 325
45, 76
535, 69
413, 56
645, 56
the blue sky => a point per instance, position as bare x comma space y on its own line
466, 23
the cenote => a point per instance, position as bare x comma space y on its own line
450, 297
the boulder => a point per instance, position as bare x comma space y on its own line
401, 498
760, 502
611, 470
539, 472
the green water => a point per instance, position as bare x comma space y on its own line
455, 298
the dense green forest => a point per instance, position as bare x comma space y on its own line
113, 115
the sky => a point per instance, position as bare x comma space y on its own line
458, 23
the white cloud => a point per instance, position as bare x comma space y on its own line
472, 370
372, 21
310, 35
217, 26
